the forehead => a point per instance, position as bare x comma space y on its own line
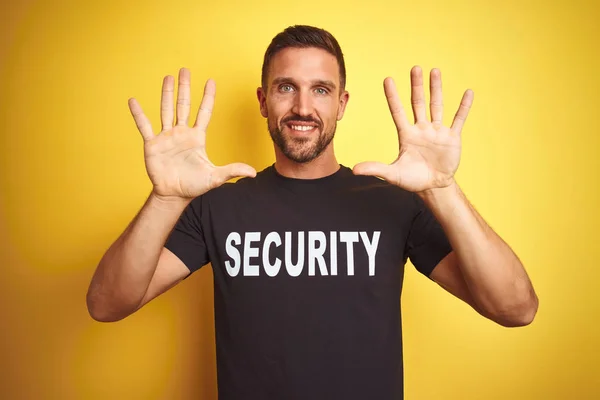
304, 64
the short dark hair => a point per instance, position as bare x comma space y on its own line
304, 36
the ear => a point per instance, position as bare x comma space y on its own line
344, 97
262, 101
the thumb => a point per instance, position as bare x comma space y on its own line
230, 171
377, 169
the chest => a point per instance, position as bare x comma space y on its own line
286, 236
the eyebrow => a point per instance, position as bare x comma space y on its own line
316, 82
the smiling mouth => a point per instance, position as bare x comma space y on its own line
301, 127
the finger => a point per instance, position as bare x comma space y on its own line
418, 94
436, 104
142, 122
166, 103
463, 111
377, 169
206, 106
230, 171
183, 97
398, 113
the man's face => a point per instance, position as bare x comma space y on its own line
302, 101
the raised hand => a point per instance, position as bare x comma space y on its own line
176, 159
429, 151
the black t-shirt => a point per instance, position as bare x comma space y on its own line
307, 282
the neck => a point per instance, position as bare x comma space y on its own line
324, 165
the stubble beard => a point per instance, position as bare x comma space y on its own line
301, 150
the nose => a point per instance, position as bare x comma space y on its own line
302, 103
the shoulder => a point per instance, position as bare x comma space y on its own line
242, 185
379, 187
262, 178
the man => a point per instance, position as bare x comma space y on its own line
308, 255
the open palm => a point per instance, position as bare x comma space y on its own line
176, 159
429, 152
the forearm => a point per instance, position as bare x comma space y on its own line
495, 277
126, 269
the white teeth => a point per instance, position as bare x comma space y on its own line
302, 128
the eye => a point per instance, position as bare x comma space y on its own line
321, 90
286, 88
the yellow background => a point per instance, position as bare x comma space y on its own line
72, 176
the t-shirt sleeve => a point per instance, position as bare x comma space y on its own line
186, 240
427, 242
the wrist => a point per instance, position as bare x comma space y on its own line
442, 193
168, 203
